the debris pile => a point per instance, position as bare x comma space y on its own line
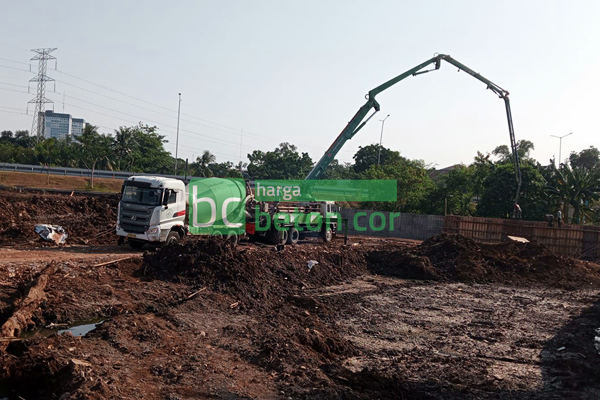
459, 259
87, 219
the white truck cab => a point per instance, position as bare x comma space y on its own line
152, 209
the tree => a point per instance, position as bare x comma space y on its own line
149, 154
225, 170
454, 193
93, 148
577, 187
412, 180
337, 171
497, 199
282, 163
123, 145
524, 148
203, 162
6, 134
587, 158
367, 156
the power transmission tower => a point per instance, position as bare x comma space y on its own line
40, 100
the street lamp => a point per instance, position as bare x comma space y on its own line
177, 140
560, 145
381, 139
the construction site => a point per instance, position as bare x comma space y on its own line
182, 218
445, 318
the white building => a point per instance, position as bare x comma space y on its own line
61, 126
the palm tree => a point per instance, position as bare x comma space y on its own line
575, 187
122, 146
203, 163
524, 148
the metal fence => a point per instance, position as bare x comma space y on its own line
572, 240
398, 225
40, 169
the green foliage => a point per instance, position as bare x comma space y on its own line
283, 163
367, 156
524, 148
500, 189
578, 187
453, 193
587, 158
337, 171
413, 184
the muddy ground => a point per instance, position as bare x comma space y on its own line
447, 319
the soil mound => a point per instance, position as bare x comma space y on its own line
87, 219
459, 259
256, 276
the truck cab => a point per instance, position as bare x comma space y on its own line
152, 210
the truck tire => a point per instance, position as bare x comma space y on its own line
233, 239
293, 236
135, 244
327, 235
172, 238
278, 237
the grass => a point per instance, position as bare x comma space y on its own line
44, 181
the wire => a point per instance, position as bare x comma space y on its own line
13, 61
12, 84
18, 69
12, 112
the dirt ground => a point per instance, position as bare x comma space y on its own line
376, 319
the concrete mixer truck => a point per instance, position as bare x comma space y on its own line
155, 210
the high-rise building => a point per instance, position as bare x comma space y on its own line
77, 125
61, 126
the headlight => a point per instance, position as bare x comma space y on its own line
152, 230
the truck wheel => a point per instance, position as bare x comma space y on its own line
293, 236
233, 239
327, 236
279, 237
135, 244
172, 238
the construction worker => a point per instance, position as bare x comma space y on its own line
550, 219
559, 218
517, 211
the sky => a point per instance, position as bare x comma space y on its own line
255, 74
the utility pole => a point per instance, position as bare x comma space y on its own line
42, 57
241, 141
560, 146
381, 139
177, 140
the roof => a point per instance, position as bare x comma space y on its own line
438, 173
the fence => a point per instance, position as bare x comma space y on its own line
399, 225
571, 240
40, 169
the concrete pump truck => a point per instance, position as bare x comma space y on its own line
155, 209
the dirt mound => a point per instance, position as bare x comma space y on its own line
86, 219
271, 287
256, 276
460, 259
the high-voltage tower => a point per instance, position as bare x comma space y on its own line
40, 100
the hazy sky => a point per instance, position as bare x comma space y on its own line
298, 71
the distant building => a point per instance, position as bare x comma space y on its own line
61, 126
77, 125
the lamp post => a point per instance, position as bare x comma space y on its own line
177, 140
560, 145
381, 139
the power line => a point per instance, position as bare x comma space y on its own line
13, 61
15, 68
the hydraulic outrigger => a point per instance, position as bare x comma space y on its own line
356, 123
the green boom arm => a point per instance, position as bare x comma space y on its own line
357, 123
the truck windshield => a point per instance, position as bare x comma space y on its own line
143, 196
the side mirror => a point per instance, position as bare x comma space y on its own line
166, 196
